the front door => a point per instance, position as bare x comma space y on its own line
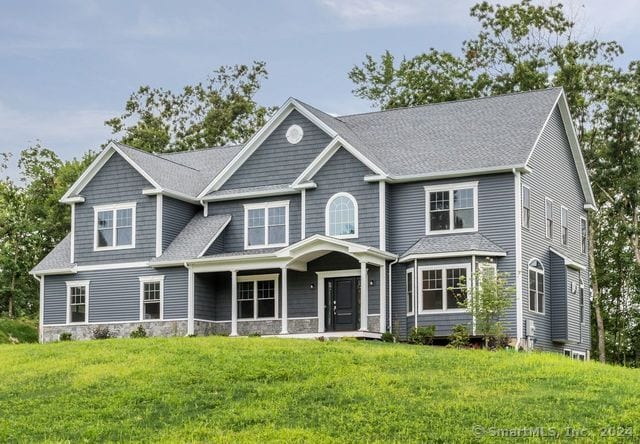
342, 304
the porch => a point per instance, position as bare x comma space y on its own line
317, 287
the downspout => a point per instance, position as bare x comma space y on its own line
41, 309
415, 293
389, 303
205, 206
190, 300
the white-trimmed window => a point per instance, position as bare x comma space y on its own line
526, 206
114, 226
151, 297
536, 286
548, 215
440, 287
341, 216
258, 296
452, 208
410, 284
564, 225
266, 225
578, 356
583, 235
77, 302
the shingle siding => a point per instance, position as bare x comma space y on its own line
344, 173
176, 214
553, 175
116, 182
277, 161
114, 295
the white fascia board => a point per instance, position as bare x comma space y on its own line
215, 236
451, 174
412, 257
54, 271
172, 194
251, 194
259, 137
306, 185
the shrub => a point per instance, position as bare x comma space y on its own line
387, 336
101, 333
254, 335
459, 337
66, 336
139, 332
422, 335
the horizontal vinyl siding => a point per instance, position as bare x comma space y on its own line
558, 298
276, 161
233, 235
345, 173
553, 175
114, 295
302, 299
176, 214
116, 182
204, 302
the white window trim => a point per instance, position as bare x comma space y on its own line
266, 206
564, 221
451, 188
255, 279
114, 208
575, 354
151, 279
413, 293
583, 220
355, 216
444, 269
527, 227
84, 284
546, 217
544, 276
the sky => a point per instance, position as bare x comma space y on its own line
66, 66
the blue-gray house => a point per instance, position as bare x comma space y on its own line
323, 225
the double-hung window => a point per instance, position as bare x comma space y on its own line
526, 206
548, 215
115, 226
564, 225
77, 302
441, 288
258, 296
452, 208
583, 235
266, 225
410, 291
536, 286
151, 297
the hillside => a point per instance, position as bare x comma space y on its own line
255, 389
18, 331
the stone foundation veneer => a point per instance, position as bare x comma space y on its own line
117, 330
266, 327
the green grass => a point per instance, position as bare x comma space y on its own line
17, 331
264, 390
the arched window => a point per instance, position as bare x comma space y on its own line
536, 286
341, 216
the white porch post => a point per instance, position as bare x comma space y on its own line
285, 318
383, 298
191, 303
364, 296
234, 303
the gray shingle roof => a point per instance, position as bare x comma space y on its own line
194, 238
58, 258
490, 132
453, 243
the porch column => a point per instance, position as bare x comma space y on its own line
383, 298
364, 296
234, 303
285, 317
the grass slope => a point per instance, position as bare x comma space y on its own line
256, 389
18, 331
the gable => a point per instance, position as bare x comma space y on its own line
276, 161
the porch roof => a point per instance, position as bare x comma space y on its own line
452, 245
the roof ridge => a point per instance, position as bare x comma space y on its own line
202, 149
470, 99
157, 156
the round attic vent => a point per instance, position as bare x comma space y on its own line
294, 134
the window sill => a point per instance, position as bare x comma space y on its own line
124, 247
539, 313
343, 236
460, 230
259, 247
257, 319
442, 311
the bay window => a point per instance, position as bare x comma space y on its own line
442, 287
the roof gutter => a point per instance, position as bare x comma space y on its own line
447, 174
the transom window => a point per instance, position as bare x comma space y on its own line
341, 218
257, 296
564, 225
452, 208
441, 287
548, 215
526, 206
115, 226
409, 291
536, 286
266, 225
151, 295
78, 302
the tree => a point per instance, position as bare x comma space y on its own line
486, 296
219, 111
521, 47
